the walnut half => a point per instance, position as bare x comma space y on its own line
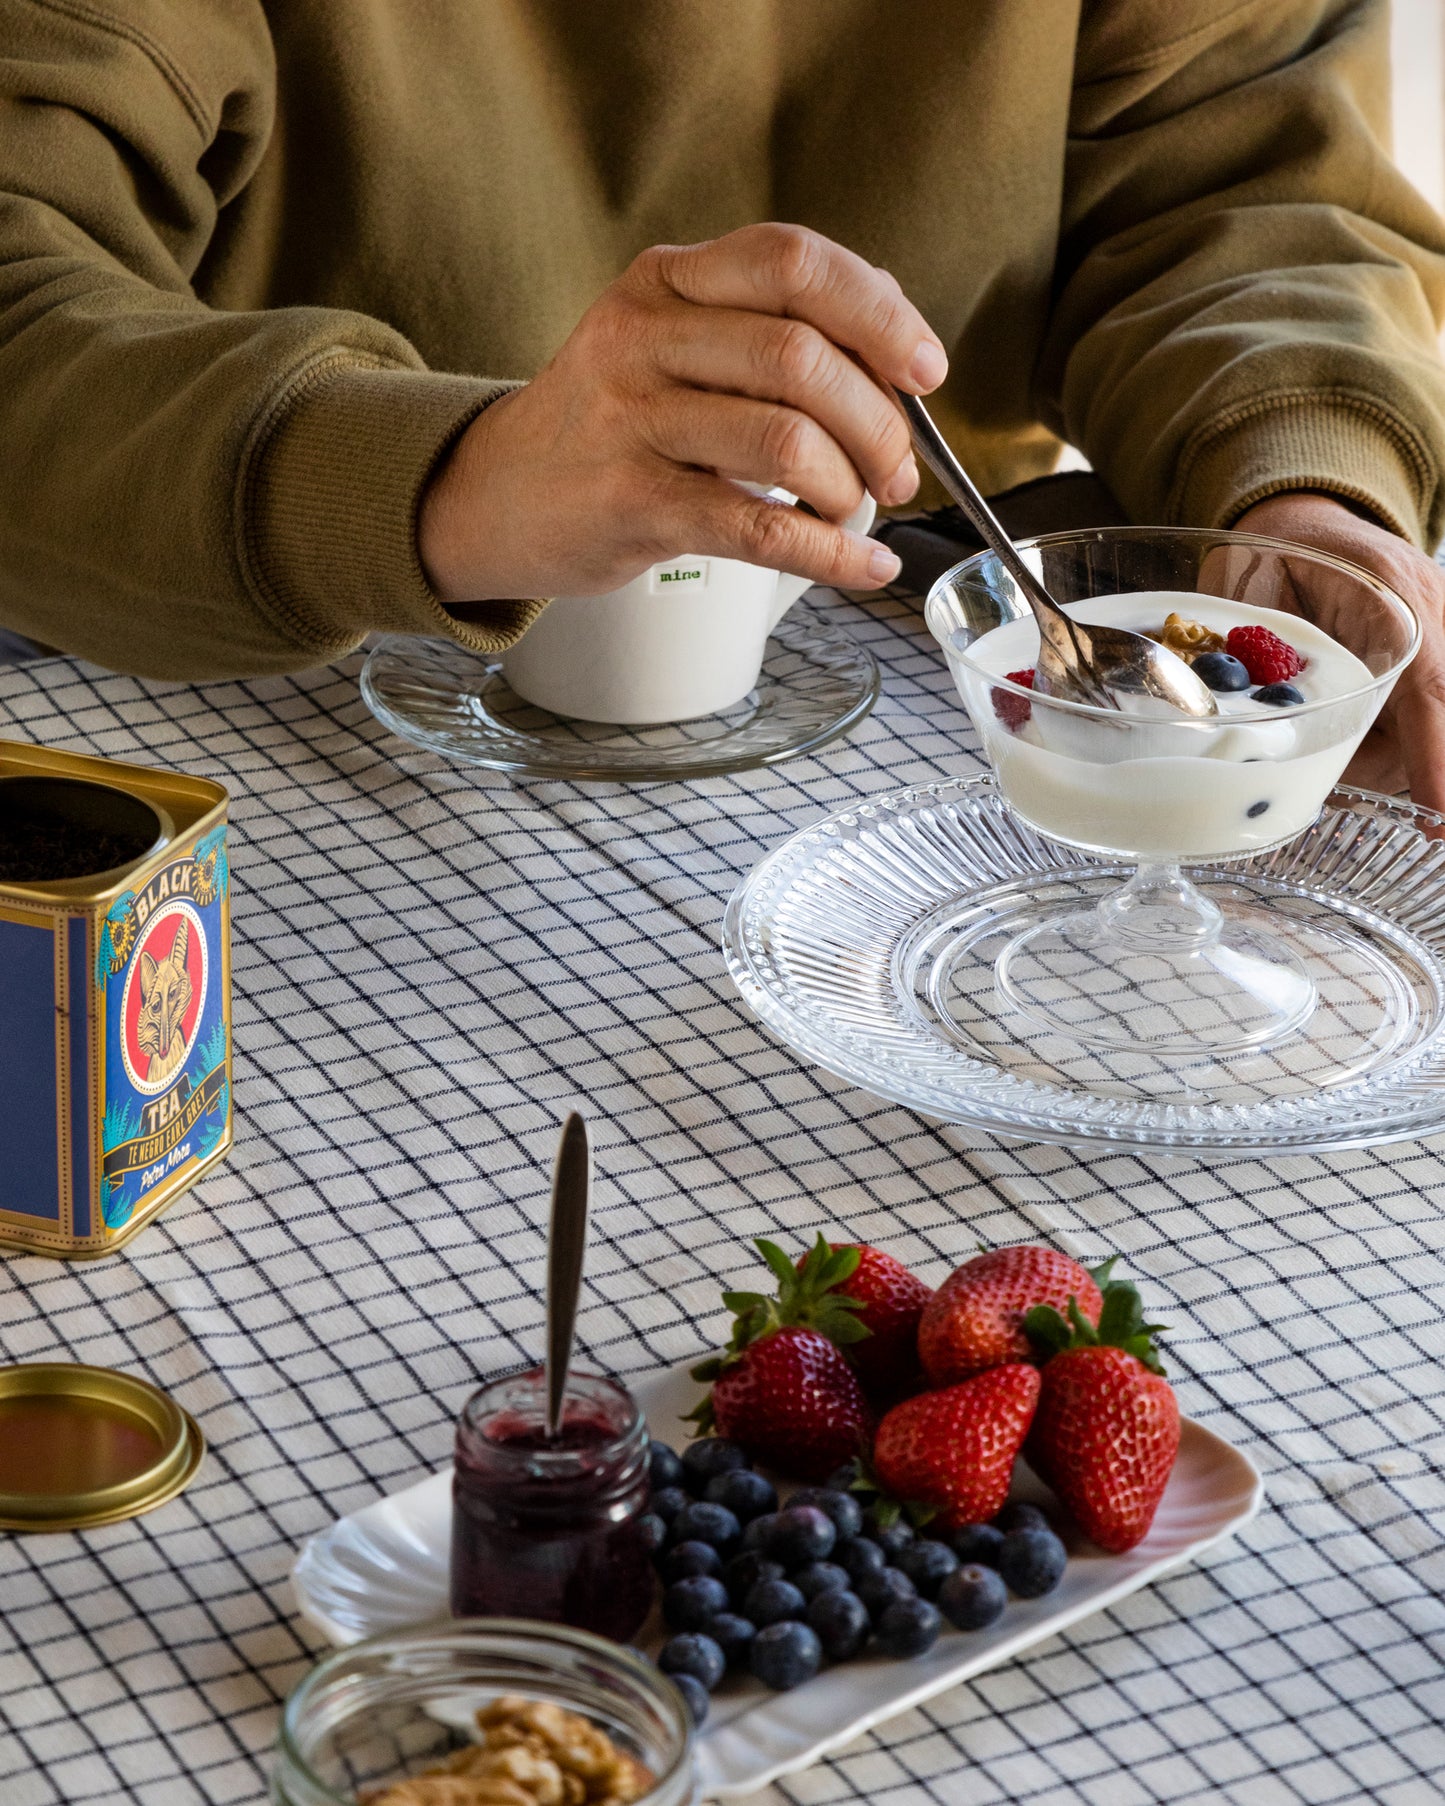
1188, 638
532, 1753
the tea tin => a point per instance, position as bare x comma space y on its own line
115, 1007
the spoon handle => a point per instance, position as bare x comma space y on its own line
566, 1245
938, 456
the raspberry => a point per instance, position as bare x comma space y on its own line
1012, 710
1267, 658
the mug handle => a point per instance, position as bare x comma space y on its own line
790, 587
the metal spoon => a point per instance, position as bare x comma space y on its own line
1109, 667
566, 1245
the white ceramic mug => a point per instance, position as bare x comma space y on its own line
683, 640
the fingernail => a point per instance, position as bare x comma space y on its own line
903, 484
883, 566
929, 366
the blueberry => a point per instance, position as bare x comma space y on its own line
705, 1460
785, 1655
841, 1620
1256, 809
909, 1627
892, 1539
880, 1591
664, 1466
746, 1495
842, 1507
1221, 671
695, 1694
667, 1503
1280, 695
1021, 1514
860, 1558
758, 1532
820, 1577
801, 1534
652, 1530
700, 1522
689, 1604
733, 1636
1032, 1562
978, 1542
842, 1478
928, 1565
695, 1654
972, 1597
771, 1601
684, 1560
744, 1572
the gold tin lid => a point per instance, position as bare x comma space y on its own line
83, 1446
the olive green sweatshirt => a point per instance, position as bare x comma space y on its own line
262, 260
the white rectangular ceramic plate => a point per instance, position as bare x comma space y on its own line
385, 1567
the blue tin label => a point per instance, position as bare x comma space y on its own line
160, 970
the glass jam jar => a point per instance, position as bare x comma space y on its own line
550, 1529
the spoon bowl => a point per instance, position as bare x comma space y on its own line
1105, 667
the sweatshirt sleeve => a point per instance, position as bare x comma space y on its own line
1248, 294
186, 492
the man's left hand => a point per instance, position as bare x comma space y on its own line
1407, 744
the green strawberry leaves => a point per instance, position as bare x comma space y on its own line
810, 1298
886, 1509
806, 1298
1121, 1323
702, 1417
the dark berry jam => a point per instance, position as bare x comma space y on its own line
549, 1529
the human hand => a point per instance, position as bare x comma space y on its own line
1406, 746
741, 359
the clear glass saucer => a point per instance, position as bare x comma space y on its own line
867, 944
817, 682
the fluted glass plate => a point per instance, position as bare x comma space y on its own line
386, 1566
867, 942
816, 683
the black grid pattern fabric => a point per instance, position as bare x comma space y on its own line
431, 965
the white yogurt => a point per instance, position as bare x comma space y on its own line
1175, 789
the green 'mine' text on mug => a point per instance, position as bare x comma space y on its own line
688, 573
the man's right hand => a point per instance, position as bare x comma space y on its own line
744, 358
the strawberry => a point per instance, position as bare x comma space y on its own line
1267, 658
792, 1401
783, 1387
975, 1318
891, 1300
954, 1450
1107, 1428
1013, 711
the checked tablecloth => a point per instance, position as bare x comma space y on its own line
431, 965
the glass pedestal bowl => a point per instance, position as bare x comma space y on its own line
1156, 964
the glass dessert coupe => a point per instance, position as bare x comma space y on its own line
1155, 964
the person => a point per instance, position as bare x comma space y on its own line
317, 319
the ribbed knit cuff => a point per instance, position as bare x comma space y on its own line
329, 498
1345, 445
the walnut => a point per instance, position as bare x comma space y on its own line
1188, 638
451, 1790
532, 1753
631, 1782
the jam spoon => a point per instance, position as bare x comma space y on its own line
566, 1245
1109, 667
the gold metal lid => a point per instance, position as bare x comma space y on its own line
82, 1446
